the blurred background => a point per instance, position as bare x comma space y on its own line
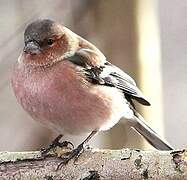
147, 39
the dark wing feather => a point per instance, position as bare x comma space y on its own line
127, 84
108, 75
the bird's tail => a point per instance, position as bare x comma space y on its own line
150, 135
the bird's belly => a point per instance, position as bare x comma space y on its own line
69, 106
76, 112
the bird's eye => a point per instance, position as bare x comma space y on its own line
50, 41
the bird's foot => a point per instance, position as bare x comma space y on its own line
75, 153
56, 143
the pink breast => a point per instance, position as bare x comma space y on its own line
60, 99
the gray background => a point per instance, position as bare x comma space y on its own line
111, 26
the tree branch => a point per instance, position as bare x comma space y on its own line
95, 164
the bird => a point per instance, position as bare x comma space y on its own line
67, 84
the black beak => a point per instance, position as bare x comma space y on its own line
32, 48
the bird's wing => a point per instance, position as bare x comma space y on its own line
106, 74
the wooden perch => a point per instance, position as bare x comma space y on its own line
95, 164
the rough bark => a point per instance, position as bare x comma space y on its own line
95, 164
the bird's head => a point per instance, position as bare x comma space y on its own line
47, 42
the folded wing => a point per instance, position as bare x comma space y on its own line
107, 74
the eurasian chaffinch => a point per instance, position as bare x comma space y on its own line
66, 83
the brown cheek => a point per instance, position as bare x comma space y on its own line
47, 55
63, 44
57, 50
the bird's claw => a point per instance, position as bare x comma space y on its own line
75, 153
55, 143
